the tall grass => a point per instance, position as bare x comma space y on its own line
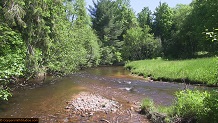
202, 71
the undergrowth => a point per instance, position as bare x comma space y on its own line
189, 106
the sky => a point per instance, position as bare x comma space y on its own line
138, 5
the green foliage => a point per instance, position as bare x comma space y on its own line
163, 22
195, 70
176, 43
190, 104
196, 104
92, 47
12, 54
48, 33
39, 36
183, 28
85, 35
145, 18
109, 55
68, 54
148, 104
156, 113
13, 11
162, 25
140, 44
203, 16
180, 14
212, 35
211, 105
111, 20
4, 93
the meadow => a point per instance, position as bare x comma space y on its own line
193, 71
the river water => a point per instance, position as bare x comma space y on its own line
48, 100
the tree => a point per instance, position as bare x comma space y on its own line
145, 17
204, 19
37, 34
86, 34
162, 25
44, 36
180, 14
75, 44
163, 21
111, 19
12, 47
200, 19
140, 44
13, 11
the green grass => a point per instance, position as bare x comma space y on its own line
202, 70
149, 105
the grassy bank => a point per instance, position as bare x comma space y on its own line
202, 71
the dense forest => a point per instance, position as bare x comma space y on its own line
60, 36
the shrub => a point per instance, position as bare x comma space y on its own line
190, 105
211, 104
12, 55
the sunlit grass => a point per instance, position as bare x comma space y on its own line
203, 70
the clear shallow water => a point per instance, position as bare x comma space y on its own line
161, 92
49, 100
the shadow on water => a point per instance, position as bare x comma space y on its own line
45, 100
49, 100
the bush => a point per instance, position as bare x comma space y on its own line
190, 105
12, 55
211, 105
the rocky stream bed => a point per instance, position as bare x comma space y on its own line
100, 105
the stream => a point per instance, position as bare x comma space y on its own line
48, 100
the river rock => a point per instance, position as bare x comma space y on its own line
88, 103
